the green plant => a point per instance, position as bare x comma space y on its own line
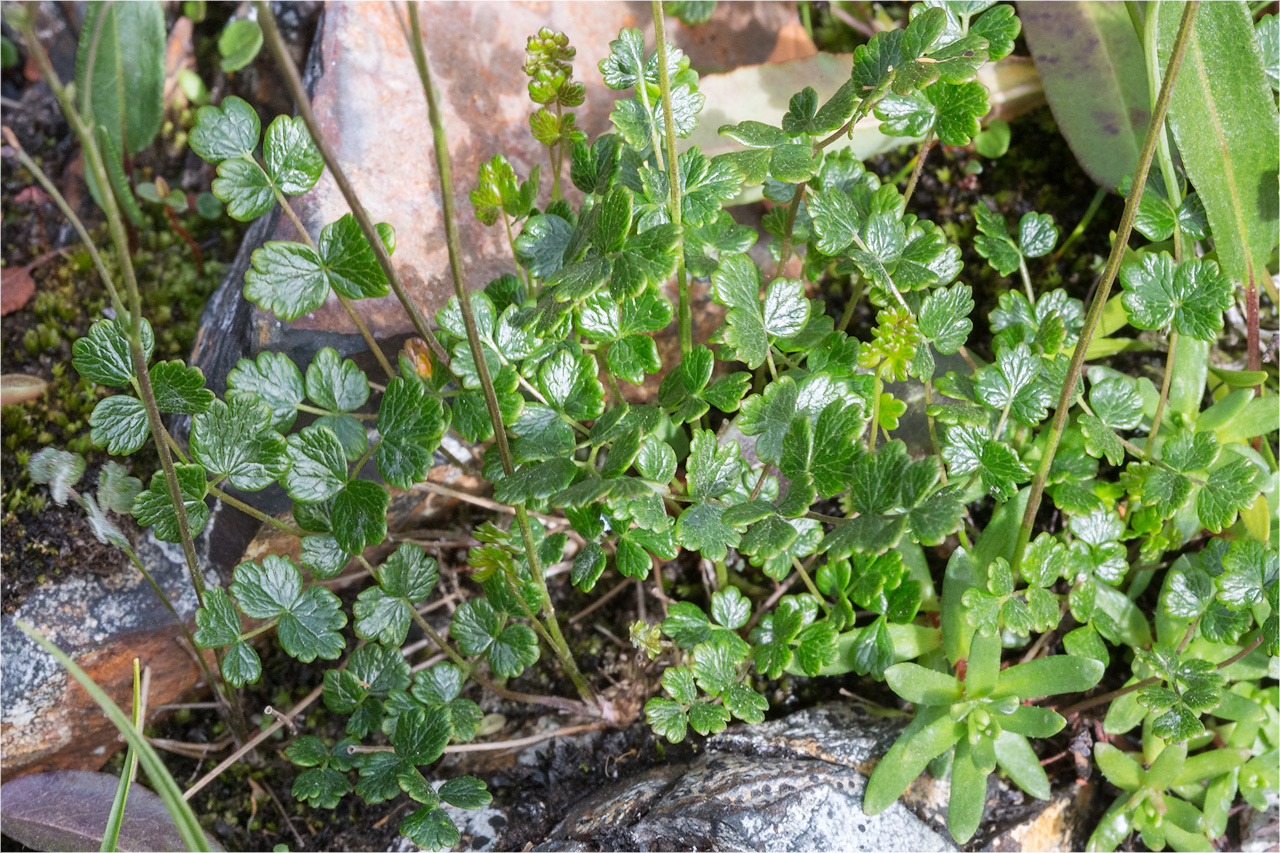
1149, 485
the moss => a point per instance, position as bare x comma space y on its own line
38, 341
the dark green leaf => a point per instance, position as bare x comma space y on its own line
292, 159
179, 389
155, 506
237, 441
360, 515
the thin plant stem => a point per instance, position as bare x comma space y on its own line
120, 238
1164, 156
933, 427
556, 702
809, 585
346, 303
794, 208
1104, 289
182, 624
1148, 682
443, 166
925, 148
61, 202
685, 314
275, 43
1164, 390
256, 513
1094, 206
1026, 279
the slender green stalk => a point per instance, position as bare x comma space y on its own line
1094, 206
58, 199
256, 513
1164, 156
792, 210
925, 148
280, 53
162, 783
685, 311
1164, 390
346, 303
1026, 279
441, 145
94, 162
933, 427
1104, 287
115, 817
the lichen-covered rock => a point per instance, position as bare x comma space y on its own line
797, 784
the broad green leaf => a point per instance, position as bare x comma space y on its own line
236, 441
103, 356
292, 159
155, 506
1094, 75
968, 793
431, 828
667, 718
512, 650
309, 620
120, 75
922, 686
930, 734
179, 389
317, 465
944, 317
360, 515
350, 265
713, 468
465, 792
411, 422
1191, 296
708, 719
1020, 761
335, 383
1223, 116
383, 612
275, 379
1049, 677
1229, 489
322, 555
286, 279
736, 284
119, 424
970, 449
226, 131
244, 188
238, 44
569, 381
768, 417
701, 528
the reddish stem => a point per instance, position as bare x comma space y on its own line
183, 233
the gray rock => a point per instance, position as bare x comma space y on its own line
732, 802
797, 784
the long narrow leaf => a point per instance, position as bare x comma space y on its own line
111, 835
161, 780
